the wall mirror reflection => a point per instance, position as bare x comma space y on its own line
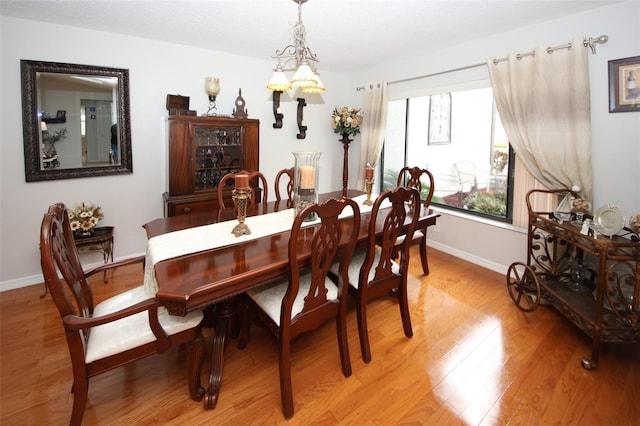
75, 120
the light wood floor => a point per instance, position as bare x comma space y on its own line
474, 359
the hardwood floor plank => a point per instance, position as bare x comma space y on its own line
474, 359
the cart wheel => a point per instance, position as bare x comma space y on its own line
523, 286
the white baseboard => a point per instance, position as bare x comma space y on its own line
22, 282
38, 279
501, 269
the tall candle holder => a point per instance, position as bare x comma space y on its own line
368, 183
240, 197
305, 181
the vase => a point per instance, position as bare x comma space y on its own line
305, 181
79, 233
345, 163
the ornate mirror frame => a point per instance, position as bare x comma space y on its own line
34, 169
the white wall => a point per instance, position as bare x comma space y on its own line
615, 137
158, 69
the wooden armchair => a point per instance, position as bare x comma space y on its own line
372, 272
309, 298
422, 180
281, 174
253, 182
117, 331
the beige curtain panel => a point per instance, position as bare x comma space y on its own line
544, 102
374, 125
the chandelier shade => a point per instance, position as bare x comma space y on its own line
296, 57
279, 81
305, 77
317, 88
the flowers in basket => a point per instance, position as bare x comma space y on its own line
346, 121
85, 217
580, 205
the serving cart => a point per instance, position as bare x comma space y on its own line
590, 278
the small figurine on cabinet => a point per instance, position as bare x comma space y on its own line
239, 111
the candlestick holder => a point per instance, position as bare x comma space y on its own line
305, 182
240, 197
368, 183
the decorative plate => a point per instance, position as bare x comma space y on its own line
610, 218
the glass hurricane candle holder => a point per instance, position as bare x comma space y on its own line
305, 181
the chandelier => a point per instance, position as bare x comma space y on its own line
299, 58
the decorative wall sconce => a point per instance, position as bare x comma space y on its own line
212, 88
277, 112
302, 126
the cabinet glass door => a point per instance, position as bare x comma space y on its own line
218, 152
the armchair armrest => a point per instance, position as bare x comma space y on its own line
75, 322
113, 265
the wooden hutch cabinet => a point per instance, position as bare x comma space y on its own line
201, 151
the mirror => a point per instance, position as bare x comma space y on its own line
75, 120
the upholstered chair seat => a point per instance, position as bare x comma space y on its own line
133, 331
269, 298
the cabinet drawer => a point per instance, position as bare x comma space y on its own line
186, 207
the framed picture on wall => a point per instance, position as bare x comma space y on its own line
624, 84
439, 119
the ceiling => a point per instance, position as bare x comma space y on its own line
345, 34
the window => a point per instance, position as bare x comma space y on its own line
458, 136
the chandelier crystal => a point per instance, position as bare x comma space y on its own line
296, 57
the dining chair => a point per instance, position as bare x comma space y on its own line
308, 298
467, 176
116, 331
281, 175
423, 181
254, 177
372, 272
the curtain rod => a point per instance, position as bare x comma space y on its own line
590, 42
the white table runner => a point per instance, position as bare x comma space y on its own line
207, 237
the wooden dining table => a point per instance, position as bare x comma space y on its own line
209, 279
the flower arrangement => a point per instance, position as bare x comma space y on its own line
85, 217
346, 121
634, 223
580, 205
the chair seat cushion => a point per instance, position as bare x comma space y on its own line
416, 235
269, 297
356, 264
133, 331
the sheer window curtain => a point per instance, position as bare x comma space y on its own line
374, 125
544, 104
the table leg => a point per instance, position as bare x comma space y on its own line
223, 312
107, 251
